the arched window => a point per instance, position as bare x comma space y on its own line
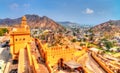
20, 39
23, 38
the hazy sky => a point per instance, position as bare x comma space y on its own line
79, 11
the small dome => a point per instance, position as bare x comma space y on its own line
24, 18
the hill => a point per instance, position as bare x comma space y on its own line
108, 29
69, 24
34, 21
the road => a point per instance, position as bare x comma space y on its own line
4, 54
94, 65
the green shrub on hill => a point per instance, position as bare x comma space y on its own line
3, 31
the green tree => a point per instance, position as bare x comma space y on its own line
74, 40
108, 44
3, 31
43, 37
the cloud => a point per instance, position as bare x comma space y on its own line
14, 6
19, 7
89, 11
26, 5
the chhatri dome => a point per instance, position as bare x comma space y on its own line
23, 21
24, 18
24, 28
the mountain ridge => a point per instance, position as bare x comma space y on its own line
34, 21
74, 25
108, 29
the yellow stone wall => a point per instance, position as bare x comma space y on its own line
55, 54
20, 42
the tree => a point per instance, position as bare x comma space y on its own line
3, 31
73, 40
108, 44
43, 37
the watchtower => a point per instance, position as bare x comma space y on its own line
19, 36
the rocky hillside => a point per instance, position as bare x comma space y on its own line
109, 28
34, 21
69, 24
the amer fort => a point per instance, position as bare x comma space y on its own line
30, 55
21, 50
